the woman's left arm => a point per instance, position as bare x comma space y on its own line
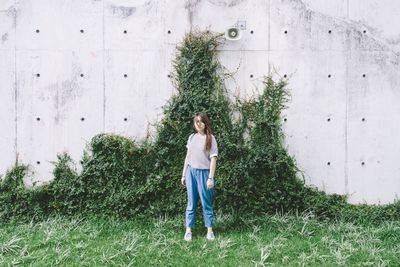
213, 166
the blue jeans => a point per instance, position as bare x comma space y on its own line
196, 185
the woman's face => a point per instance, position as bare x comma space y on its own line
200, 126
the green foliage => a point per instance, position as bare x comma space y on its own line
17, 201
112, 181
66, 190
370, 214
122, 178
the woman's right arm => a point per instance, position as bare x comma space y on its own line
185, 165
184, 168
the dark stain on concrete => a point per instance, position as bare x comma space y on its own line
352, 33
225, 3
4, 38
62, 93
395, 41
190, 6
149, 6
122, 11
12, 12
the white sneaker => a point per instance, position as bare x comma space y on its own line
188, 237
210, 236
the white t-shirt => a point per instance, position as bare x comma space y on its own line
198, 157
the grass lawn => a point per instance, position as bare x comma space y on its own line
279, 240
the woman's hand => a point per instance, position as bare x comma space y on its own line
210, 183
183, 180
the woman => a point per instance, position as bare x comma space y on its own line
198, 174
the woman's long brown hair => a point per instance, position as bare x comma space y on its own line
207, 128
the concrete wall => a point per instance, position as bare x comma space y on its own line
72, 69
